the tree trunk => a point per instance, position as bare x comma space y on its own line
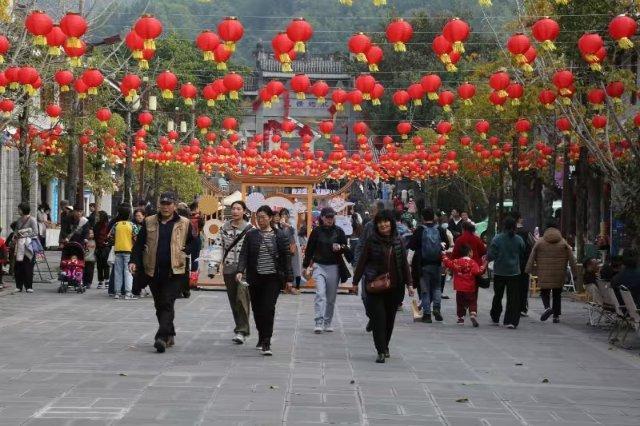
594, 196
71, 185
528, 199
128, 165
582, 175
24, 156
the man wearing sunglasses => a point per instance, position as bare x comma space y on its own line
160, 253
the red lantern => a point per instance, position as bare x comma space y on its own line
221, 55
74, 26
589, 44
300, 32
444, 128
103, 115
38, 24
621, 29
129, 87
445, 99
6, 106
53, 110
27, 76
518, 44
400, 99
563, 125
466, 92
230, 124
376, 94
282, 45
595, 61
359, 44
233, 82
563, 80
374, 56
55, 39
497, 101
135, 44
365, 83
93, 79
515, 92
149, 28
276, 88
207, 41
457, 32
203, 122
326, 127
465, 141
145, 119
615, 90
64, 78
320, 90
167, 82
300, 84
636, 120
75, 52
188, 92
399, 32
404, 128
599, 122
339, 97
360, 128
482, 128
416, 92
547, 98
499, 81
523, 126
231, 31
442, 48
431, 84
356, 97
596, 98
546, 31
4, 47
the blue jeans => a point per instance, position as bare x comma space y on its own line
430, 289
327, 280
121, 272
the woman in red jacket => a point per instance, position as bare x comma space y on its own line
465, 270
469, 238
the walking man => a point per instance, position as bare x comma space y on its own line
160, 253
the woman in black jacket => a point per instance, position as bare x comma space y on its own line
265, 262
385, 244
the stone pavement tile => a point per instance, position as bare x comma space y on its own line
299, 415
175, 395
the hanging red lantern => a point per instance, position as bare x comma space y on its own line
355, 98
203, 122
189, 92
74, 53
233, 82
4, 47
599, 122
546, 31
129, 87
523, 126
442, 48
359, 44
482, 128
497, 101
404, 128
636, 120
135, 44
465, 141
518, 44
53, 110
400, 99
466, 91
596, 98
615, 90
221, 55
11, 73
499, 81
589, 44
93, 78
230, 124
360, 128
300, 31
231, 31
320, 89
376, 94
563, 125
207, 41
282, 45
431, 84
595, 61
374, 56
339, 97
326, 127
6, 106
563, 80
399, 32
365, 83
300, 84
515, 92
547, 98
56, 38
621, 29
145, 118
210, 94
416, 92
288, 126
64, 78
167, 82
38, 24
74, 26
446, 99
27, 76
444, 128
149, 28
457, 32
4, 82
103, 115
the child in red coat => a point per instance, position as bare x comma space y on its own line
465, 270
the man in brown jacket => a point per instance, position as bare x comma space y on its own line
548, 261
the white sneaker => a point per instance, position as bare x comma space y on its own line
29, 290
328, 329
238, 338
116, 296
130, 296
317, 329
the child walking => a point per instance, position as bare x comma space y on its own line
89, 260
465, 270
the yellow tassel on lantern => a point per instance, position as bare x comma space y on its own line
64, 88
150, 44
373, 68
417, 102
203, 130
188, 101
548, 45
357, 107
208, 56
73, 42
520, 59
549, 106
625, 43
433, 96
339, 107
361, 57
75, 62
346, 2
445, 58
40, 40
458, 46
284, 57
299, 47
54, 51
275, 99
221, 97
143, 64
14, 85
485, 3
515, 102
93, 90
300, 95
167, 94
595, 66
566, 100
563, 2
399, 46
321, 100
222, 66
526, 68
231, 46
379, 3
376, 102
402, 107
451, 68
211, 102
233, 95
499, 108
366, 96
286, 67
467, 102
103, 124
266, 104
82, 95
2, 89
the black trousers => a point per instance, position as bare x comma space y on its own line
23, 273
514, 299
264, 291
524, 292
552, 297
87, 273
165, 291
102, 254
381, 309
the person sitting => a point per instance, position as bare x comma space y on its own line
591, 268
610, 269
629, 276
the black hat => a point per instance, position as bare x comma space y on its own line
327, 212
168, 197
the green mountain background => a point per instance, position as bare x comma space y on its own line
333, 23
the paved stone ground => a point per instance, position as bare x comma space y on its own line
85, 359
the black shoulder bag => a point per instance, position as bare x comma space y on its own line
236, 241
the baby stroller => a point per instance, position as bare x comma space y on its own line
71, 267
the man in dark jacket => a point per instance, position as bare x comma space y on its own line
160, 253
523, 279
428, 242
455, 224
327, 243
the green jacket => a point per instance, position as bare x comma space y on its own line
506, 252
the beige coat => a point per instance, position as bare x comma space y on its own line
178, 243
548, 260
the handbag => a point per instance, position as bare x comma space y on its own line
482, 281
381, 283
